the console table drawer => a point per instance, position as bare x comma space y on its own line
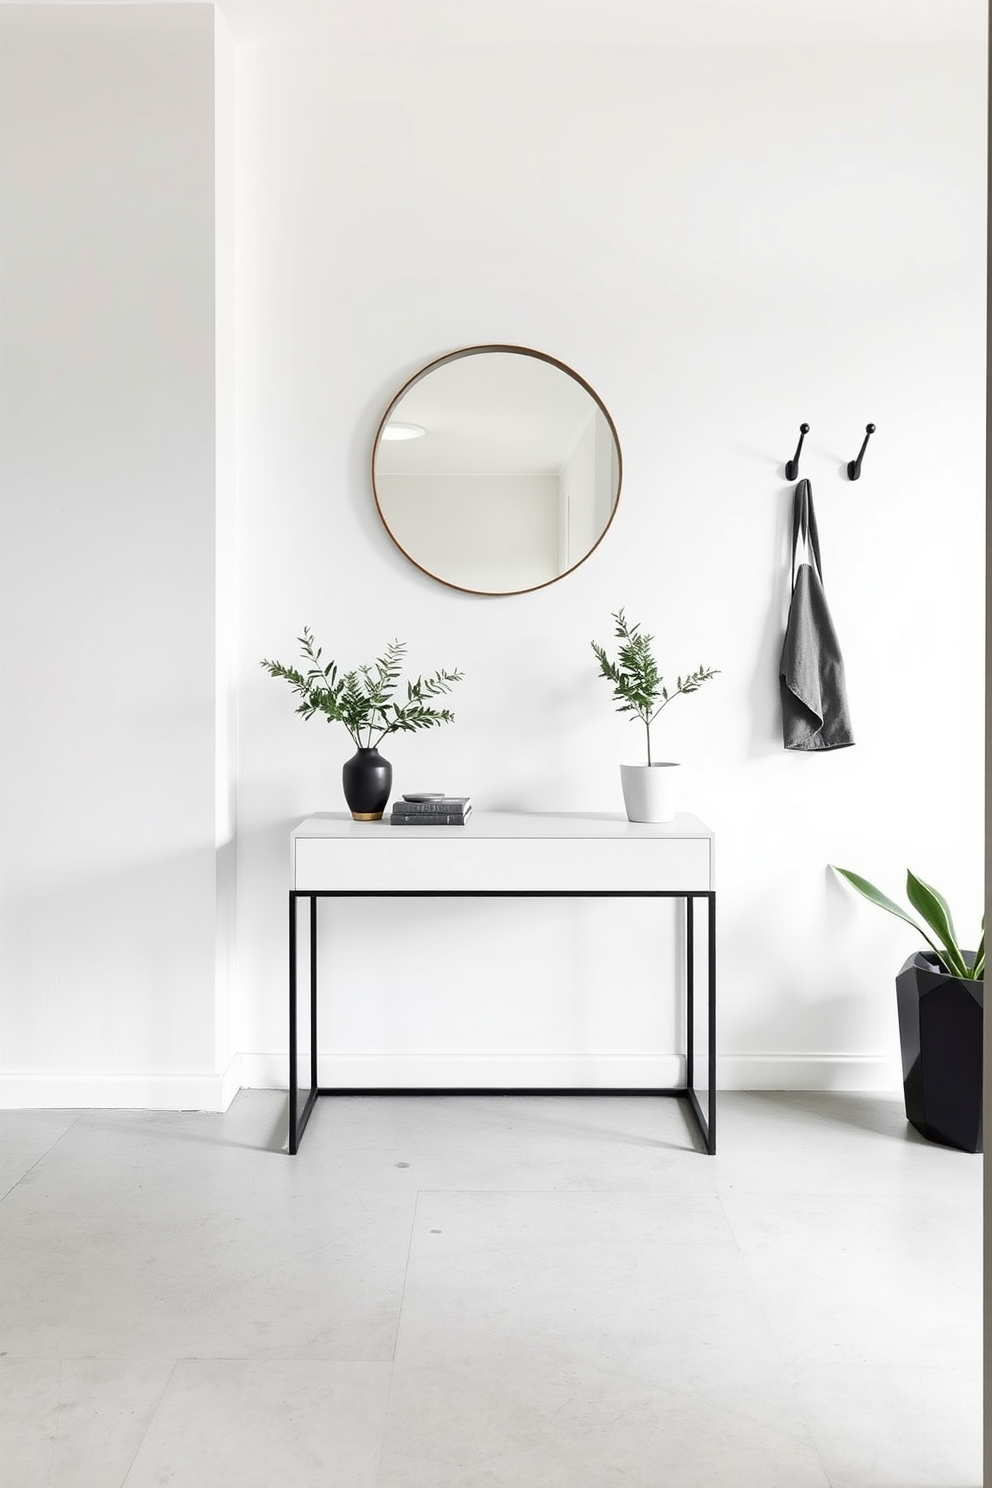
500, 865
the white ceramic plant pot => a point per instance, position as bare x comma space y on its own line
650, 792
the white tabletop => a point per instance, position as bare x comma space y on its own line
533, 824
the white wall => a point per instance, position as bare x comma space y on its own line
110, 937
724, 243
225, 641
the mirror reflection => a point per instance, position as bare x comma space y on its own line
496, 469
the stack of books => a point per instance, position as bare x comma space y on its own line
441, 811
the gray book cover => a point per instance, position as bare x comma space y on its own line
432, 819
447, 806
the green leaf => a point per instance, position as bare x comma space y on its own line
875, 896
934, 909
977, 969
932, 906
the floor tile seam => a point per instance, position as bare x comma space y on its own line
129, 1361
810, 1367
149, 1423
275, 1360
595, 1193
58, 1421
392, 1360
607, 1194
406, 1275
40, 1158
787, 1370
830, 1195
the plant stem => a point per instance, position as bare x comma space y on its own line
647, 729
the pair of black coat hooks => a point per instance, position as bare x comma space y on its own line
853, 466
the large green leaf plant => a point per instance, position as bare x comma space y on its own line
934, 909
364, 698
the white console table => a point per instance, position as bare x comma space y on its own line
506, 855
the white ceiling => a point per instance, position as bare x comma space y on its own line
605, 22
594, 22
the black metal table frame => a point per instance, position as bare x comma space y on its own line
706, 1124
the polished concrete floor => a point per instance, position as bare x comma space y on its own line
486, 1292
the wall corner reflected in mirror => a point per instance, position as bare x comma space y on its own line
496, 470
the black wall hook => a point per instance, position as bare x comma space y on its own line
792, 466
854, 466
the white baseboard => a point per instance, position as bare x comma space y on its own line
460, 1069
87, 1090
864, 1072
230, 1082
93, 1089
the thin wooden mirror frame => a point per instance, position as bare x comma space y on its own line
454, 356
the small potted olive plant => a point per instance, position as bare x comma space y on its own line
649, 791
940, 996
363, 700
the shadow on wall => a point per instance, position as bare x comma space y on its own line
766, 706
115, 973
822, 1003
797, 1020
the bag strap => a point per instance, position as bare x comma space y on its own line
804, 532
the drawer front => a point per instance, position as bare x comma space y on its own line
500, 865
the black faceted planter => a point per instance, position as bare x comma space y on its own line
367, 779
940, 1030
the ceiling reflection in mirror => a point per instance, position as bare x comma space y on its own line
496, 470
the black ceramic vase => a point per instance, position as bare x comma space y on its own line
940, 1030
367, 779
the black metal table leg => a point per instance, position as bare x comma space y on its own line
690, 989
705, 1123
294, 1136
313, 992
711, 971
298, 1118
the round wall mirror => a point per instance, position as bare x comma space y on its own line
496, 469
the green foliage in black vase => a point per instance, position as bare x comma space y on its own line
364, 698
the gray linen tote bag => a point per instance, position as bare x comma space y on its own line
811, 673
